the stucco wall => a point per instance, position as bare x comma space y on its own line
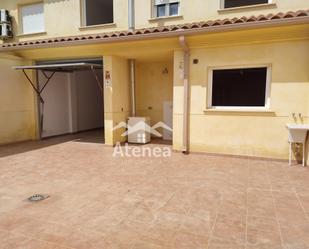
63, 17
117, 105
154, 85
244, 133
199, 10
17, 102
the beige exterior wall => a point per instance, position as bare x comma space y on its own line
252, 133
117, 106
154, 85
201, 10
17, 102
63, 18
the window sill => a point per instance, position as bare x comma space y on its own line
106, 25
32, 34
155, 19
248, 7
243, 111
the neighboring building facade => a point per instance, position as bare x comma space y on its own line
200, 66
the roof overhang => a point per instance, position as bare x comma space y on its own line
191, 29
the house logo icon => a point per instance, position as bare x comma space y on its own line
142, 126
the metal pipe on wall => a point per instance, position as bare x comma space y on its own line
186, 63
132, 74
131, 14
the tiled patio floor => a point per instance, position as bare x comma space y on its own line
182, 202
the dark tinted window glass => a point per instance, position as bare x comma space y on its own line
99, 12
239, 87
161, 10
174, 9
239, 3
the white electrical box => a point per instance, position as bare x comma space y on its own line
139, 130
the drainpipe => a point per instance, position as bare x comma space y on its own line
132, 73
131, 14
186, 63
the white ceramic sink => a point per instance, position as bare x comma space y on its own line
297, 132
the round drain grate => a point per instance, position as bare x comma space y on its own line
37, 197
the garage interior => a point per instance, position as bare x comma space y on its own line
70, 96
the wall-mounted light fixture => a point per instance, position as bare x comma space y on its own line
165, 71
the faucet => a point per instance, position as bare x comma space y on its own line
294, 117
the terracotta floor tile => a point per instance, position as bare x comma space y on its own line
279, 185
197, 226
289, 209
143, 214
233, 202
194, 201
179, 203
260, 203
230, 228
295, 236
144, 244
304, 200
183, 240
263, 233
223, 244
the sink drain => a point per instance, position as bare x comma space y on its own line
37, 197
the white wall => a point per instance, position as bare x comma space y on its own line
73, 102
56, 107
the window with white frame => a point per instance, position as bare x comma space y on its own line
165, 8
32, 18
239, 87
97, 12
239, 3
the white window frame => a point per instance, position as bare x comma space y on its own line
239, 108
222, 5
167, 8
20, 18
83, 15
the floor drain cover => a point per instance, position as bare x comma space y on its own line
37, 197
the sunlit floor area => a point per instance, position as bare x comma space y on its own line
98, 201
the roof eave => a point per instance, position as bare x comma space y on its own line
168, 34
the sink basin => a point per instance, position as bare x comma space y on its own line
297, 132
298, 126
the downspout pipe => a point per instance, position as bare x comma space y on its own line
131, 14
186, 63
132, 74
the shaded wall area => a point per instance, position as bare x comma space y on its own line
73, 103
17, 102
154, 86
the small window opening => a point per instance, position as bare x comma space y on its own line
161, 10
240, 3
239, 87
98, 12
166, 8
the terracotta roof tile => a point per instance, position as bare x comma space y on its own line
201, 26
